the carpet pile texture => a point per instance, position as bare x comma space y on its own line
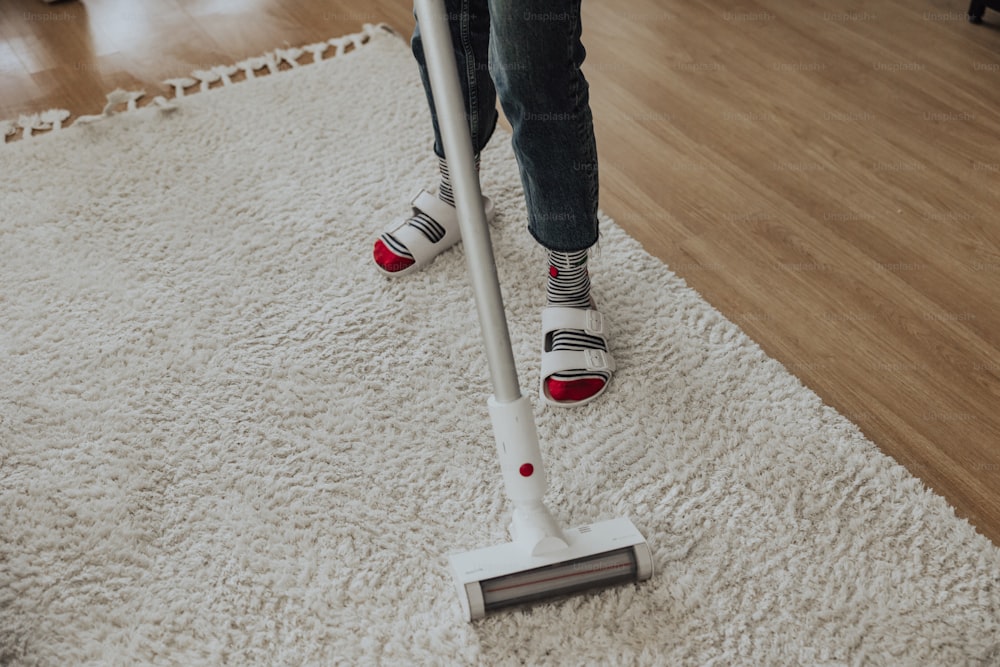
226, 439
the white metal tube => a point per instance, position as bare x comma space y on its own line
517, 448
447, 94
524, 477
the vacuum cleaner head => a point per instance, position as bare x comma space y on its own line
598, 555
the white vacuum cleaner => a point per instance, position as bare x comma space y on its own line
543, 561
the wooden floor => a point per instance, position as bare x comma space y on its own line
829, 178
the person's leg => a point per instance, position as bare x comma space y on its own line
535, 58
469, 24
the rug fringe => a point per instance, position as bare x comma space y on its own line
53, 119
272, 60
38, 122
115, 98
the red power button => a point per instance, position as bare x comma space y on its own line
526, 469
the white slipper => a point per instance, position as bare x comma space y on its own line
416, 242
590, 322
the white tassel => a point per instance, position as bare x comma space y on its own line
119, 96
54, 118
271, 63
115, 98
290, 56
225, 73
29, 123
358, 40
206, 77
134, 97
40, 122
340, 43
180, 84
317, 50
163, 104
373, 29
250, 65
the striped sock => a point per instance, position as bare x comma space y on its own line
392, 255
569, 286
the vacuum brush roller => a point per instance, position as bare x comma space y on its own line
599, 555
552, 581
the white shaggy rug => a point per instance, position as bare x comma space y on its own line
225, 439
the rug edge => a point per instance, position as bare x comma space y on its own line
43, 123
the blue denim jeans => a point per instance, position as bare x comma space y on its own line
529, 55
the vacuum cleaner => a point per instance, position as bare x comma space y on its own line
542, 561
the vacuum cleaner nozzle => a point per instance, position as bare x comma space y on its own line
598, 555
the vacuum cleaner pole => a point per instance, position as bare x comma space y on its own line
454, 129
543, 560
510, 411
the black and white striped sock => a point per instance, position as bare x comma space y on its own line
569, 286
393, 255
